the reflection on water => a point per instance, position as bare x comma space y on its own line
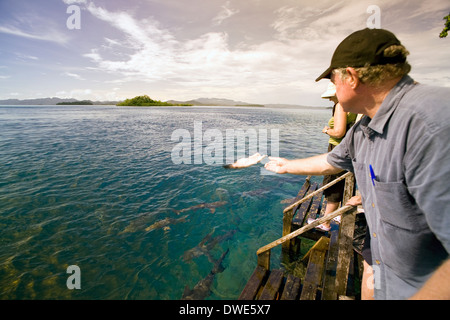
84, 186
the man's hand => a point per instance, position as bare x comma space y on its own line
354, 201
277, 165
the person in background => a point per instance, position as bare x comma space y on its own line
338, 125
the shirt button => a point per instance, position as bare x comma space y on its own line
373, 205
374, 235
378, 261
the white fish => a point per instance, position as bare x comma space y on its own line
245, 162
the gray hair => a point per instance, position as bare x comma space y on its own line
376, 75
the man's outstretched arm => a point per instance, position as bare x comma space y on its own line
314, 166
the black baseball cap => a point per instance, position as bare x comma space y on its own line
361, 48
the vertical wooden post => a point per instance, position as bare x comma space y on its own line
264, 260
287, 228
349, 188
288, 216
345, 241
345, 251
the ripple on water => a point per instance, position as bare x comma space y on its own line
75, 178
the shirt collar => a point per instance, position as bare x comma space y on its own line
390, 104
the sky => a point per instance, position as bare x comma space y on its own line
256, 51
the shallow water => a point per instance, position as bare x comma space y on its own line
81, 184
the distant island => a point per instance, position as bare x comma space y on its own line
146, 101
51, 102
212, 102
76, 103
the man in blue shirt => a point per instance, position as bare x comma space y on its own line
400, 155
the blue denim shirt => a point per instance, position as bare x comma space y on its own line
406, 198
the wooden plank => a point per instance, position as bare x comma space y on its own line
329, 282
345, 250
287, 228
272, 287
313, 213
315, 205
289, 215
301, 193
324, 207
349, 188
254, 283
264, 260
316, 234
300, 216
320, 190
303, 229
291, 288
321, 245
351, 276
313, 276
346, 230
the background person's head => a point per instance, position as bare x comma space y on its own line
330, 93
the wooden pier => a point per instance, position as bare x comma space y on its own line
331, 263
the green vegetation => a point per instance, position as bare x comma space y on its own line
146, 101
444, 32
76, 103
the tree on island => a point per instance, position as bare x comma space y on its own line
146, 101
444, 32
76, 103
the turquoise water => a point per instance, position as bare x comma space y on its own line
81, 184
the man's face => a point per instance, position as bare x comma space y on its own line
344, 92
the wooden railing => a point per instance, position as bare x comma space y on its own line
264, 252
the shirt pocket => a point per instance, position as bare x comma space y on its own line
397, 207
404, 237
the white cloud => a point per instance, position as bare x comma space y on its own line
73, 75
51, 36
74, 94
281, 65
26, 56
68, 2
226, 12
206, 61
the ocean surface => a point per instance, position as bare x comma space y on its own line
103, 188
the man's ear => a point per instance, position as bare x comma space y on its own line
352, 78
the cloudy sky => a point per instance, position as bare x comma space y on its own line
258, 51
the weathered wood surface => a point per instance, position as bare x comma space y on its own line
271, 285
288, 215
291, 288
272, 288
302, 211
329, 261
313, 276
254, 284
314, 210
344, 176
304, 229
345, 245
321, 245
345, 251
329, 283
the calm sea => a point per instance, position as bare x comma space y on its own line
82, 185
